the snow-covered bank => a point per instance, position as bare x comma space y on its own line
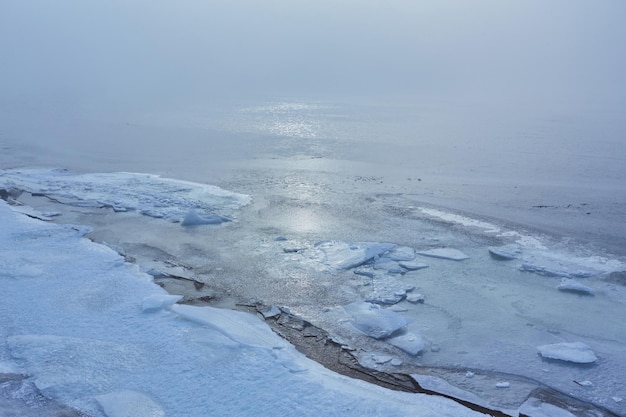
73, 321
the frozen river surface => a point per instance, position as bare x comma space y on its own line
462, 252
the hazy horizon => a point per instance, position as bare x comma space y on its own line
100, 56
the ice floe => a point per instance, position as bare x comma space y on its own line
554, 271
415, 298
129, 403
344, 255
436, 384
401, 253
373, 320
507, 252
122, 191
576, 352
570, 285
444, 253
193, 218
412, 265
410, 341
534, 407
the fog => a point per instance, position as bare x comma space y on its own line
102, 55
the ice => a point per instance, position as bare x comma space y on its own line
389, 266
550, 271
444, 253
412, 265
148, 194
571, 285
508, 252
387, 289
410, 341
576, 352
374, 320
401, 253
129, 403
436, 384
534, 407
415, 298
159, 301
192, 218
29, 211
271, 311
344, 255
76, 327
243, 328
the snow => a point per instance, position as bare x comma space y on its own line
77, 322
122, 191
576, 352
159, 301
444, 253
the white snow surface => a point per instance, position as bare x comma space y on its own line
123, 191
72, 319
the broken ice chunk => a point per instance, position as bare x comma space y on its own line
506, 252
374, 320
193, 218
343, 255
402, 253
386, 296
502, 384
576, 352
388, 265
438, 385
574, 286
270, 311
381, 359
129, 403
366, 271
556, 271
445, 253
415, 298
535, 407
412, 265
411, 342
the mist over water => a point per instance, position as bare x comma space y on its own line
352, 121
124, 56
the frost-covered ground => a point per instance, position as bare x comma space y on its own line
477, 260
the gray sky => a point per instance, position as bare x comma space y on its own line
116, 52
